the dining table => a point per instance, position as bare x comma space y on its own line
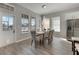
75, 44
75, 38
39, 33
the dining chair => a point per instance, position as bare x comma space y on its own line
48, 36
35, 39
45, 37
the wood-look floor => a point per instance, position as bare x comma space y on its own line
59, 47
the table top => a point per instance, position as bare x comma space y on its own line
75, 38
40, 33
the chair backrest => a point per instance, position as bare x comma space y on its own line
33, 34
45, 34
50, 36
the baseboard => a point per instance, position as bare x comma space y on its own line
23, 39
15, 42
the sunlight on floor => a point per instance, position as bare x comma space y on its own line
64, 39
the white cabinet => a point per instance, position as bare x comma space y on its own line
72, 28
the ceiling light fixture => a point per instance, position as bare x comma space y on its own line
44, 6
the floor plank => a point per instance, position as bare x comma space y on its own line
60, 46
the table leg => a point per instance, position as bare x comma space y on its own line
73, 47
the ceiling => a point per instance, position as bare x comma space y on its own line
51, 7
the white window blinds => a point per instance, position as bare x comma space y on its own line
56, 23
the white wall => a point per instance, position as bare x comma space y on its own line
18, 36
18, 11
64, 15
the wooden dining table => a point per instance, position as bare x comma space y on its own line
39, 33
75, 40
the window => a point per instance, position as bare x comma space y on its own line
46, 23
7, 13
25, 23
33, 23
7, 23
56, 23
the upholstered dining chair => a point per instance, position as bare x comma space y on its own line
45, 37
35, 39
49, 36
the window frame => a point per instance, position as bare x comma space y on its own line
25, 17
31, 23
7, 28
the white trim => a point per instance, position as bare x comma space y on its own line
23, 39
8, 4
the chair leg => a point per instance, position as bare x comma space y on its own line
36, 44
73, 47
49, 41
43, 42
77, 52
40, 42
31, 42
73, 52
